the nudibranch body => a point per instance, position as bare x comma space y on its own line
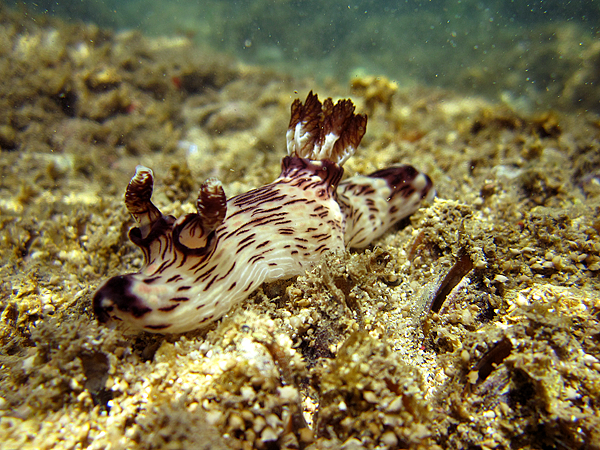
198, 266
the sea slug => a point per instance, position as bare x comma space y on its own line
198, 266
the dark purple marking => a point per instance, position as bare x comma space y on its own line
151, 280
157, 327
247, 244
166, 264
298, 200
117, 291
210, 283
205, 275
254, 259
263, 244
228, 272
169, 308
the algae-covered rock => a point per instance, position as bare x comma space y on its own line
369, 394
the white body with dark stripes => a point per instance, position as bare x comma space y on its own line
198, 266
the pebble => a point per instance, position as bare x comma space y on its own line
473, 376
273, 421
465, 356
396, 405
370, 397
259, 424
389, 438
289, 394
268, 435
236, 422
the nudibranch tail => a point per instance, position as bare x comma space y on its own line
324, 132
196, 267
372, 204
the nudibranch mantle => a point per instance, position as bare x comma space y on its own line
198, 266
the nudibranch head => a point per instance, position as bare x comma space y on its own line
167, 243
196, 267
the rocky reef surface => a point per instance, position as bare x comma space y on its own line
473, 324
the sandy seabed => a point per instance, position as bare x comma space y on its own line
474, 324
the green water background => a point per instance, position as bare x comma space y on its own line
528, 53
